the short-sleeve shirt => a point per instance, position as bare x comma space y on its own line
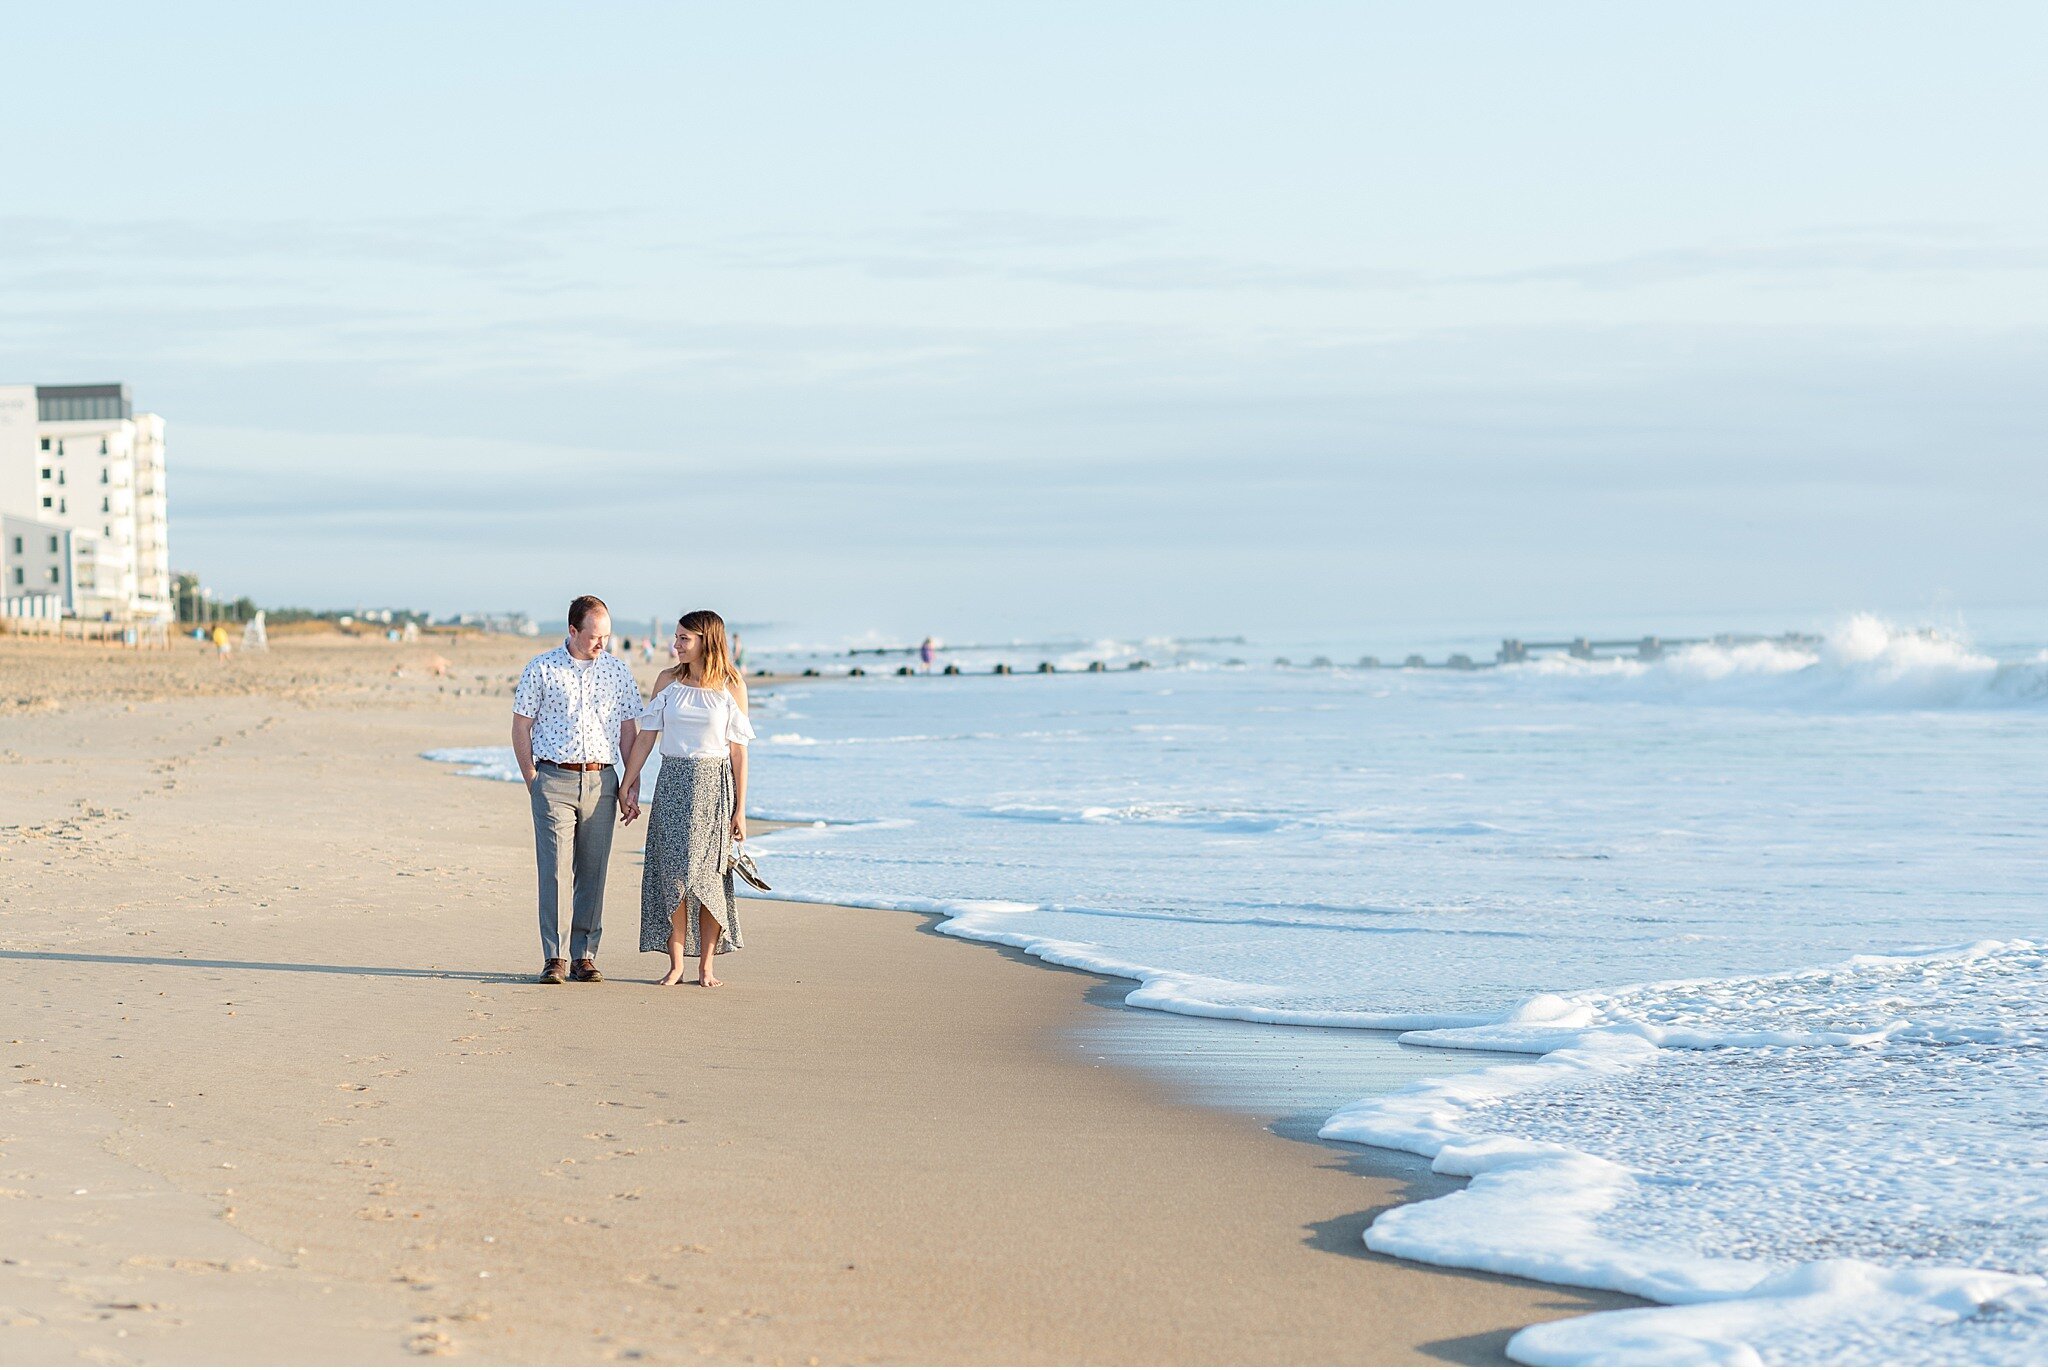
576, 706
694, 721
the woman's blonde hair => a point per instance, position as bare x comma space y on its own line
715, 668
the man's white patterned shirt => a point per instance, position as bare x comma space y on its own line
576, 706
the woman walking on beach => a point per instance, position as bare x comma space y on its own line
699, 716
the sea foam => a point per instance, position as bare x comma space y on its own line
1822, 1155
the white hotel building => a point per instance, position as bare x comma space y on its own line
83, 521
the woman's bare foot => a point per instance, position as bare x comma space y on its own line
674, 976
710, 936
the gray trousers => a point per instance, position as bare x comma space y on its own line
573, 816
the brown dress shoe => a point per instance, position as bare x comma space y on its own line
586, 971
554, 972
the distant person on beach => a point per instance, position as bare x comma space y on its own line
926, 652
699, 711
221, 646
572, 719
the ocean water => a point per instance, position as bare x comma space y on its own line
1768, 925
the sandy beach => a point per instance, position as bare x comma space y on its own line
278, 1086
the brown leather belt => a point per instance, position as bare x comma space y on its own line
578, 765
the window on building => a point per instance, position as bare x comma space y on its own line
17, 547
53, 544
19, 575
63, 505
47, 473
105, 475
103, 447
106, 504
46, 501
46, 444
55, 578
61, 480
60, 447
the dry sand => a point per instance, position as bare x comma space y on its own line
277, 1086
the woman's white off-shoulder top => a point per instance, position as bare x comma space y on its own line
694, 721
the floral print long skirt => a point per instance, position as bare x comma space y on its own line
689, 850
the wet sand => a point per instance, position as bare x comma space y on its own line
279, 1088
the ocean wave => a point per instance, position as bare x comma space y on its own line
1167, 813
483, 763
1863, 662
898, 739
1987, 991
1166, 990
1691, 1143
1838, 1312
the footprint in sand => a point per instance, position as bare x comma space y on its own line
432, 1342
197, 1267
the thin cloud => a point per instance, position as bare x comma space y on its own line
1217, 273
1098, 252
474, 244
1780, 261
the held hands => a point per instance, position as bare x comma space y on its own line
629, 800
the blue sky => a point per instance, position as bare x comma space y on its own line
1110, 318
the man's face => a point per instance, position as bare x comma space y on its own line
587, 641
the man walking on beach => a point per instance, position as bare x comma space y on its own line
572, 719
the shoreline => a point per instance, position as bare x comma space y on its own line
275, 1022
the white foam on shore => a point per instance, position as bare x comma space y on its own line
1194, 996
1838, 1312
1804, 1193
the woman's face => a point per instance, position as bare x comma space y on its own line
688, 645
